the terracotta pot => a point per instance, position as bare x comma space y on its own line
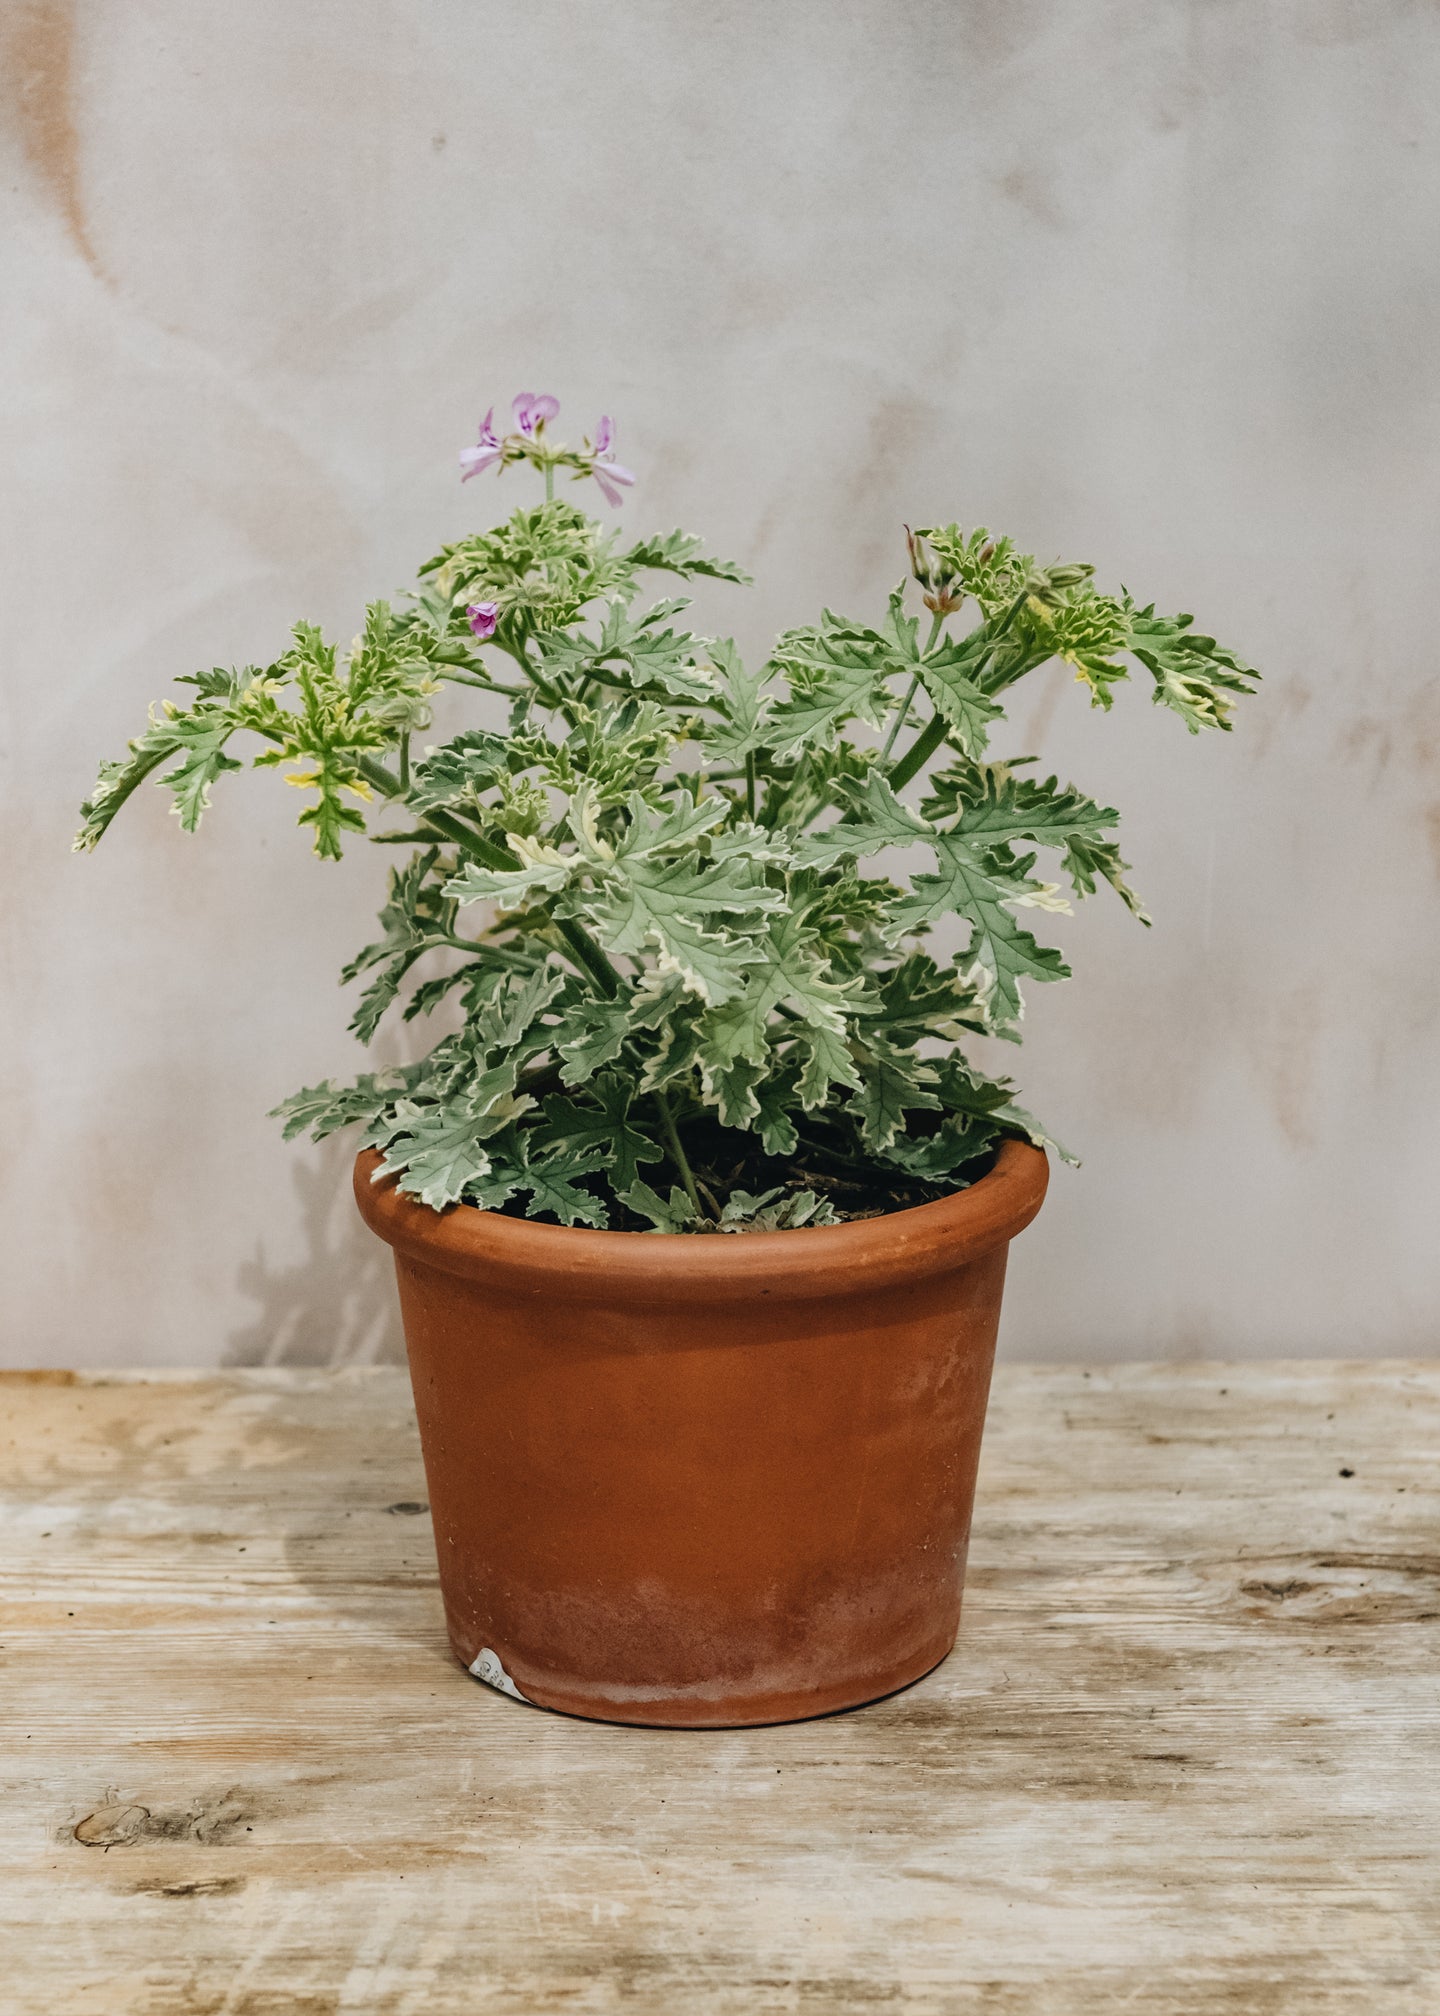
703, 1482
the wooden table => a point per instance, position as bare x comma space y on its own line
1186, 1757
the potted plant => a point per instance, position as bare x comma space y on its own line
675, 915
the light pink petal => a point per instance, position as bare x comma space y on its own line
604, 435
617, 472
532, 409
482, 618
607, 489
474, 461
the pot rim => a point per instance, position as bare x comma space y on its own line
576, 1263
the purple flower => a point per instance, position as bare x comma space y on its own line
532, 410
487, 450
482, 618
604, 468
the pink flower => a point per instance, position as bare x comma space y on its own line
487, 450
603, 467
482, 618
532, 410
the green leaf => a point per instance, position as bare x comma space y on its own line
993, 806
837, 673
640, 653
960, 1139
600, 1120
551, 1182
980, 891
679, 553
673, 1216
458, 771
540, 867
437, 1151
437, 1156
201, 739
990, 1101
892, 1083
510, 1021
774, 1123
117, 780
918, 998
949, 674
876, 819
1195, 677
774, 1211
794, 975
826, 1062
324, 1109
668, 907
731, 1090
594, 1034
746, 704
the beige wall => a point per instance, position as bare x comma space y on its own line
1151, 284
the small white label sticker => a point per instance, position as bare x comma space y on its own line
487, 1667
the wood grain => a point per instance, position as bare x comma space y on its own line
1185, 1760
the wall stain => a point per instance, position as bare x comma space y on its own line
1033, 193
37, 43
1432, 833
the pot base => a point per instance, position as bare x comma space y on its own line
748, 1712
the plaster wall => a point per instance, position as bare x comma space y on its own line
1147, 282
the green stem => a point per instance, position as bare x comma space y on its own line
456, 678
405, 761
589, 956
919, 752
549, 482
899, 722
677, 1153
474, 947
750, 784
936, 626
385, 781
437, 824
447, 826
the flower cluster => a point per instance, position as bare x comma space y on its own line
530, 442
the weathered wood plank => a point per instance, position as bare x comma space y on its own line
1185, 1759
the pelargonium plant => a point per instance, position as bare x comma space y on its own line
672, 899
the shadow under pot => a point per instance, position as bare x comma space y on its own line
703, 1481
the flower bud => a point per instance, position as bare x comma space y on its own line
942, 588
1050, 585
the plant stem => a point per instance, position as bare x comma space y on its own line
458, 678
750, 784
936, 626
448, 827
374, 772
677, 1153
919, 752
589, 956
405, 761
549, 482
898, 723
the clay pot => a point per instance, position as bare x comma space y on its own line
703, 1481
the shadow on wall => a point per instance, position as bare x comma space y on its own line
336, 1305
